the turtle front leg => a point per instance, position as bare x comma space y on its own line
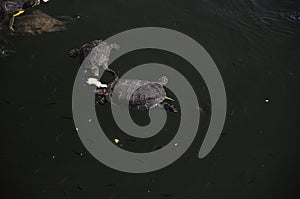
168, 107
96, 82
12, 20
11, 24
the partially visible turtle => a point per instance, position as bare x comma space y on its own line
36, 23
97, 53
9, 9
141, 94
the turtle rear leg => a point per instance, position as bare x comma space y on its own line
167, 107
101, 101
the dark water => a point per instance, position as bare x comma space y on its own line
256, 48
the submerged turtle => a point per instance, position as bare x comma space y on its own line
98, 52
36, 23
141, 94
9, 9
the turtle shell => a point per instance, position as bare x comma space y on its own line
36, 24
142, 95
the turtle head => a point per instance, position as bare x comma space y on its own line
31, 3
115, 46
163, 80
74, 52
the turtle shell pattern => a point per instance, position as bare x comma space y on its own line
99, 55
142, 95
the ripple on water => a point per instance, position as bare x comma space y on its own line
255, 19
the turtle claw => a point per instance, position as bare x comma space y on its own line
168, 107
11, 28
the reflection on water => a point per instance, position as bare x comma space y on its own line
256, 18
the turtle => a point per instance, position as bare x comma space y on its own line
36, 23
141, 94
98, 53
9, 9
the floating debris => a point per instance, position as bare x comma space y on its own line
78, 153
116, 141
293, 16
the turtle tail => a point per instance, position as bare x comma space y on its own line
74, 52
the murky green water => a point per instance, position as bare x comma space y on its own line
256, 48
